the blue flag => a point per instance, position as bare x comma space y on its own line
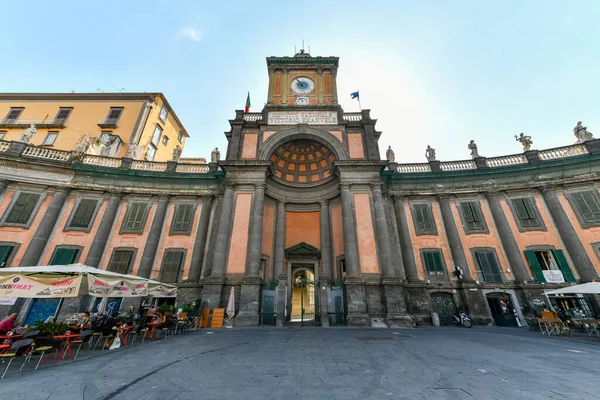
354, 95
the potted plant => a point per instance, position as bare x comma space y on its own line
51, 328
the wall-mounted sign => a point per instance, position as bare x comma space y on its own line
302, 117
554, 276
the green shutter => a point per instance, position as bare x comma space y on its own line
136, 217
23, 208
83, 214
467, 212
182, 218
4, 253
563, 265
535, 266
64, 256
587, 203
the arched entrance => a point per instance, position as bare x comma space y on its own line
303, 295
303, 262
502, 308
443, 304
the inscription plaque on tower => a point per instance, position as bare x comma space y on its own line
302, 117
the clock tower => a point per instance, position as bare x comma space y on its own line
302, 80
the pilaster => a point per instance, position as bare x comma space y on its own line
149, 254
456, 247
200, 240
106, 223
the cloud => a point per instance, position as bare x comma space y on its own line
192, 33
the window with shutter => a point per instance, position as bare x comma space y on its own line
22, 209
63, 114
423, 219
182, 219
114, 113
488, 266
64, 256
535, 266
171, 265
563, 265
526, 213
135, 219
120, 261
434, 266
472, 216
588, 205
82, 216
5, 252
13, 114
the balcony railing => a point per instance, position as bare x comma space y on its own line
563, 152
497, 277
412, 168
192, 168
48, 154
149, 166
108, 123
102, 161
458, 165
352, 117
39, 123
252, 117
506, 161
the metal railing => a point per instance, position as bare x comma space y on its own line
505, 161
42, 123
562, 152
252, 117
352, 117
458, 165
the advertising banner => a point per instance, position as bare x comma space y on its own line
39, 288
163, 291
553, 276
116, 287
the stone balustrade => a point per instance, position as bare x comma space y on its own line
352, 117
48, 154
252, 117
192, 168
506, 161
457, 165
102, 161
413, 168
562, 152
149, 166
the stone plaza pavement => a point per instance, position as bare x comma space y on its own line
328, 363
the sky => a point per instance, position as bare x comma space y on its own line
436, 73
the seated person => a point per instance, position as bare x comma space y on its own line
160, 318
8, 324
83, 322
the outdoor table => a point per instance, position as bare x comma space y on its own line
122, 331
67, 339
9, 339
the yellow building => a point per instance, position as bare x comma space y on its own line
138, 125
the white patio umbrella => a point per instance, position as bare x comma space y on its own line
584, 288
102, 305
231, 305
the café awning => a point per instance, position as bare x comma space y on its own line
56, 281
584, 288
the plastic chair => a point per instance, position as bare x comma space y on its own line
84, 337
17, 349
42, 346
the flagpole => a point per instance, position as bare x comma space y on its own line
359, 106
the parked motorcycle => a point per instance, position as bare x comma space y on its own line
462, 319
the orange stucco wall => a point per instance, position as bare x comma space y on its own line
587, 235
337, 134
302, 227
60, 237
249, 149
127, 239
267, 235
480, 240
21, 235
236, 263
355, 145
367, 249
326, 82
429, 241
337, 230
176, 241
267, 134
525, 239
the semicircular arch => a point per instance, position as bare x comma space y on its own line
309, 133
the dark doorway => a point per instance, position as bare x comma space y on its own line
502, 309
443, 304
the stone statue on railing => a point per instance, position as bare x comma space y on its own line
81, 147
473, 147
430, 153
389, 155
525, 141
581, 133
27, 135
176, 153
215, 155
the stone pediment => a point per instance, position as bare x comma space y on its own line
303, 251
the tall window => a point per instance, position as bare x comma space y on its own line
182, 219
472, 216
64, 256
150, 153
135, 218
50, 139
114, 114
14, 114
163, 114
82, 217
120, 261
171, 264
22, 209
587, 204
526, 212
180, 137
545, 265
63, 114
434, 265
488, 266
156, 136
423, 219
6, 252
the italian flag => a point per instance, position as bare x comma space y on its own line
247, 108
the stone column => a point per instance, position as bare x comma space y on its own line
396, 257
149, 254
44, 230
327, 274
333, 78
355, 289
200, 240
3, 185
211, 291
285, 87
408, 255
106, 223
382, 234
271, 85
573, 245
507, 238
456, 247
320, 88
278, 261
250, 291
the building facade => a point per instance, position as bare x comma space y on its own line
308, 224
142, 126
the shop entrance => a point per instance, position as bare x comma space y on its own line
502, 309
443, 304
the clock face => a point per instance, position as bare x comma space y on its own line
302, 85
302, 101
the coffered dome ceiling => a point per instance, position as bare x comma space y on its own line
302, 161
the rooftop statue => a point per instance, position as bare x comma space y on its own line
176, 153
430, 153
525, 141
27, 134
473, 147
389, 155
82, 146
215, 155
581, 133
